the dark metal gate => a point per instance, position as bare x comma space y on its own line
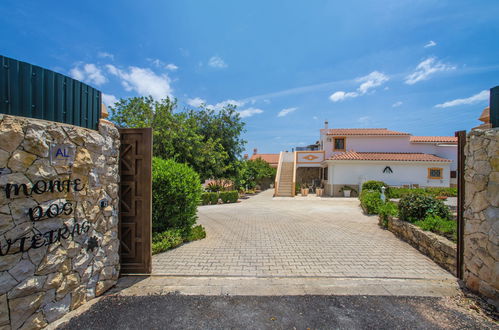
135, 200
461, 142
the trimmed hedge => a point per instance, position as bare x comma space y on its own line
370, 201
208, 198
376, 185
432, 191
172, 238
414, 207
176, 192
440, 226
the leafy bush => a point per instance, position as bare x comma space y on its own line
213, 198
229, 196
166, 240
226, 197
253, 172
438, 225
176, 193
432, 191
442, 191
205, 198
197, 233
376, 185
414, 207
172, 238
386, 210
400, 192
370, 201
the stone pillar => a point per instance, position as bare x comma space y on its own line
481, 215
58, 218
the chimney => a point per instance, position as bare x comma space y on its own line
255, 151
245, 156
494, 106
326, 124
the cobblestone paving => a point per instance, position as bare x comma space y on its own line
295, 238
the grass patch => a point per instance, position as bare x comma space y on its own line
440, 226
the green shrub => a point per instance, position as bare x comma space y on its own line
230, 196
205, 198
432, 191
386, 210
176, 193
400, 192
370, 201
197, 233
438, 225
172, 238
166, 240
213, 198
441, 191
414, 207
376, 185
224, 196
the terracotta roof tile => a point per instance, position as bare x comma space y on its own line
269, 158
361, 131
436, 139
388, 156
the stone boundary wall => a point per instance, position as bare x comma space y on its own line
434, 246
58, 218
481, 215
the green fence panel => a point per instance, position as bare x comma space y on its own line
31, 91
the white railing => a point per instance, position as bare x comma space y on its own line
293, 184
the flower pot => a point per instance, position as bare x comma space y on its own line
346, 193
319, 192
304, 191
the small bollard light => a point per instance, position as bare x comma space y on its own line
383, 197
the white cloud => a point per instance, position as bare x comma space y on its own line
109, 99
249, 112
315, 118
105, 55
217, 62
225, 103
397, 104
171, 67
372, 80
430, 43
160, 64
285, 112
482, 96
368, 83
427, 68
340, 96
196, 102
88, 73
143, 81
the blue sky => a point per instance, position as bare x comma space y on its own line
417, 66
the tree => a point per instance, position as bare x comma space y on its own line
252, 172
207, 140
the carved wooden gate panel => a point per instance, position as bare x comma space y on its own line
135, 200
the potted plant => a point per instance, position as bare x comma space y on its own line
319, 191
347, 191
304, 190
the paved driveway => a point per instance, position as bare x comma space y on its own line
266, 237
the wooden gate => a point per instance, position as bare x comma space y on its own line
135, 200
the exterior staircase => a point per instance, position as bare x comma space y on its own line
285, 181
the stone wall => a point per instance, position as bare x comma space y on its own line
58, 218
481, 215
436, 247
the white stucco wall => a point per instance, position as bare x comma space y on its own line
393, 144
403, 174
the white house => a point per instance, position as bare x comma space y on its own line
355, 155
